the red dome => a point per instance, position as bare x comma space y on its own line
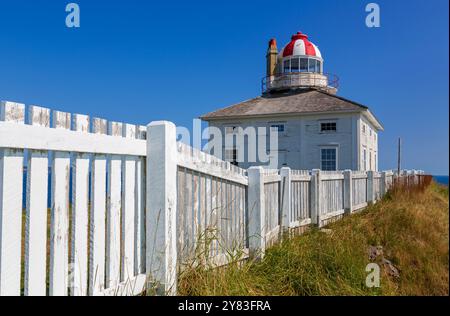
300, 46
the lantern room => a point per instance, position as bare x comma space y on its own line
298, 65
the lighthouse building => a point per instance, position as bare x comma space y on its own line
317, 129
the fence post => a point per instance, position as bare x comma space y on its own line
256, 212
405, 180
383, 184
370, 188
161, 207
348, 189
285, 173
315, 197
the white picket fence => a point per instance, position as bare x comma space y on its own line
143, 206
102, 251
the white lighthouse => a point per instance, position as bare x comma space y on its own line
298, 65
317, 129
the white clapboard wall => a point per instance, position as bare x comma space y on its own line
93, 243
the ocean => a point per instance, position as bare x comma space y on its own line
441, 179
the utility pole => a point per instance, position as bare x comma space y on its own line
399, 155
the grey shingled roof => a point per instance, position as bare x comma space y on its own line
308, 101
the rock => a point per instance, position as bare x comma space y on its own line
375, 252
390, 268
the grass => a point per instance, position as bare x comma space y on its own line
411, 227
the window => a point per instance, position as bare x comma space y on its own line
364, 128
286, 66
328, 127
328, 159
294, 65
364, 159
375, 162
370, 131
231, 156
231, 130
370, 161
319, 67
303, 64
312, 65
277, 128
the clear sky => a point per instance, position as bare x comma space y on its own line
139, 61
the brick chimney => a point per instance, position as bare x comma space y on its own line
271, 57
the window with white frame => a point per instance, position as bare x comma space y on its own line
303, 64
375, 162
364, 159
294, 65
231, 130
364, 128
328, 127
231, 155
312, 65
328, 159
287, 65
277, 127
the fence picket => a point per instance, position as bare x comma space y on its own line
97, 216
114, 202
59, 227
11, 186
36, 212
139, 230
80, 205
128, 208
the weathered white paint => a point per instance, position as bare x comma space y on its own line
80, 209
40, 138
256, 212
59, 227
128, 208
316, 197
114, 203
286, 216
139, 230
36, 212
161, 206
97, 216
11, 174
348, 189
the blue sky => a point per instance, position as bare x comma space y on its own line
139, 61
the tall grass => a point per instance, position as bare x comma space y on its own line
411, 228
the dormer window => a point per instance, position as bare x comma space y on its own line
327, 127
